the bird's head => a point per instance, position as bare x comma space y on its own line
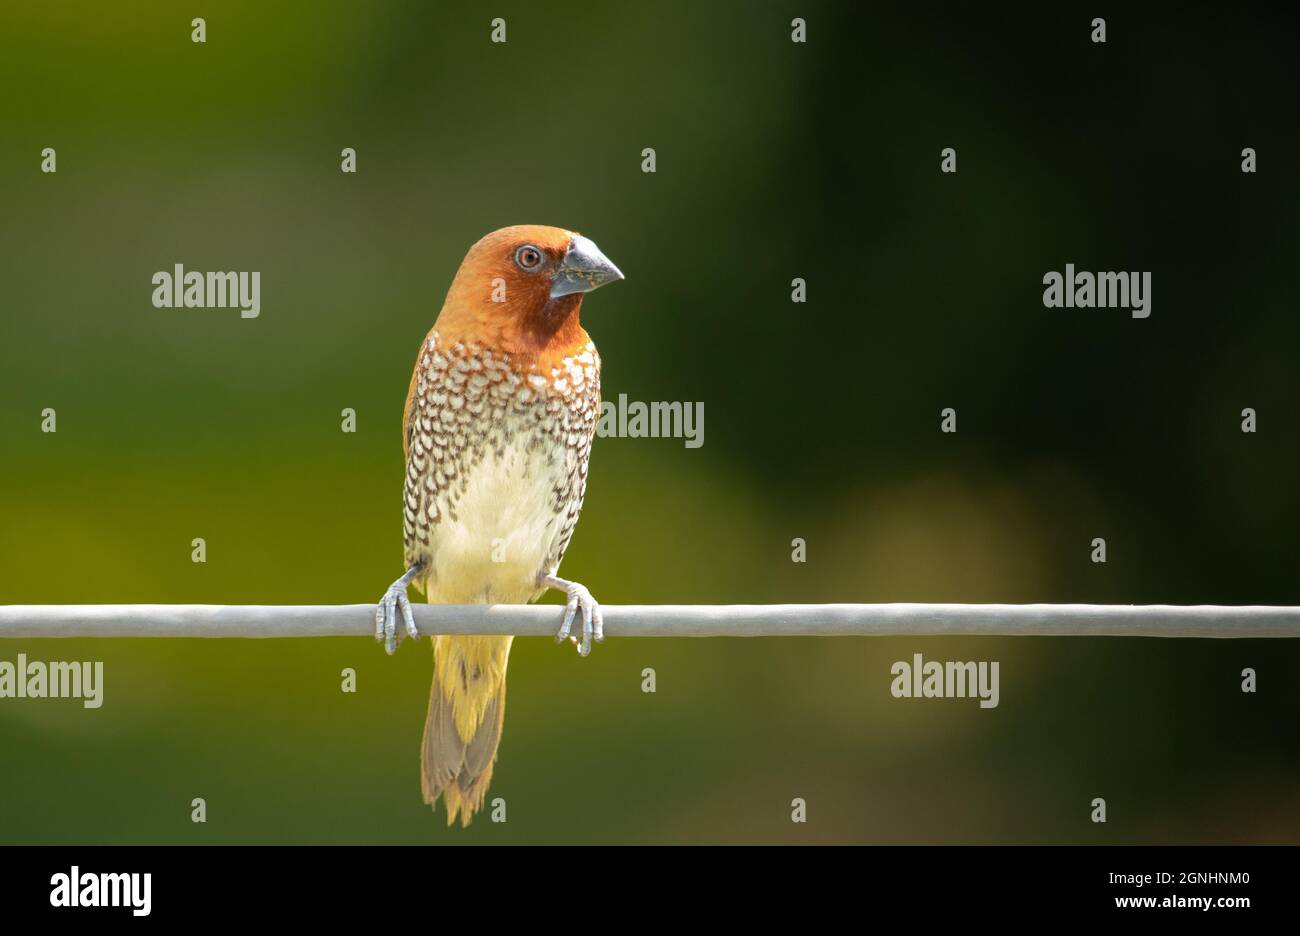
519, 289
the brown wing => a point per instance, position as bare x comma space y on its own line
419, 507
408, 411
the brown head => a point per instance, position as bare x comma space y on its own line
519, 289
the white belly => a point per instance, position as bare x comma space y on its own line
504, 528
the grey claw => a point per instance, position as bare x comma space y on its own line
390, 624
593, 624
570, 611
388, 608
408, 616
584, 648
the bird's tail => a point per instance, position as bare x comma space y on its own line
467, 705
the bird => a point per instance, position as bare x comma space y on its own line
500, 414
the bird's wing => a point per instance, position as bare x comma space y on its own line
408, 412
417, 517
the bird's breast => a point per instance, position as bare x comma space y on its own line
496, 469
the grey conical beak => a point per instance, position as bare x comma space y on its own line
583, 268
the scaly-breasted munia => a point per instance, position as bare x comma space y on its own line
499, 420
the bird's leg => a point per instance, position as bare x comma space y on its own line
593, 624
387, 610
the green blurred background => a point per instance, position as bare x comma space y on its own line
775, 160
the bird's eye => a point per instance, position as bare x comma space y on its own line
528, 257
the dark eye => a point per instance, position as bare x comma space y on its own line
528, 257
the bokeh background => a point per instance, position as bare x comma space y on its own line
775, 160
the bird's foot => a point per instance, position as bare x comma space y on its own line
579, 598
386, 612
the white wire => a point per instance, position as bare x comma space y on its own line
807, 620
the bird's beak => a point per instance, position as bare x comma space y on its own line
583, 268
